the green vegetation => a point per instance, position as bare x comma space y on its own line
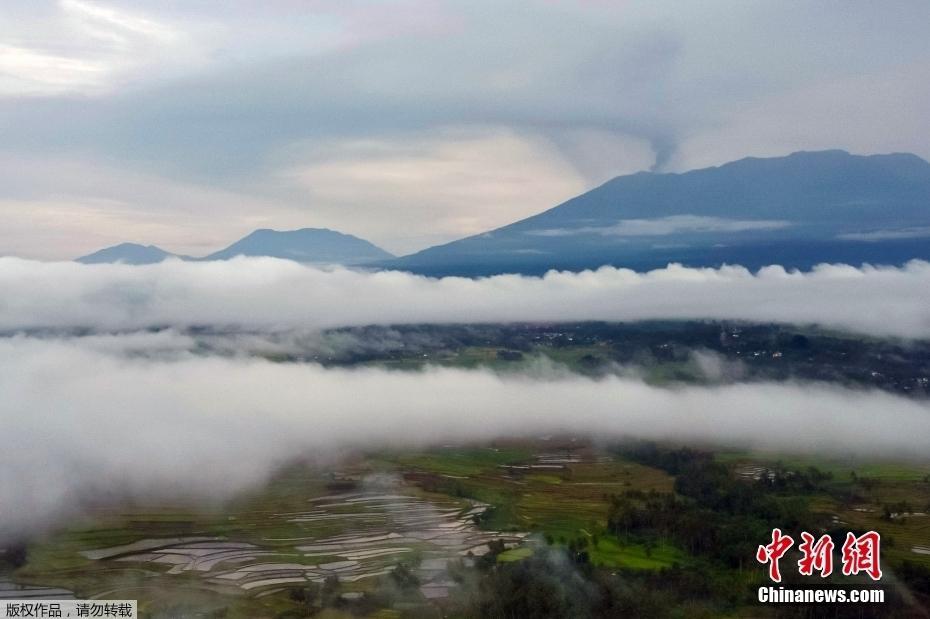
660, 351
462, 461
515, 554
610, 552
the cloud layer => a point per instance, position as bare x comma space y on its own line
120, 411
265, 293
81, 422
663, 226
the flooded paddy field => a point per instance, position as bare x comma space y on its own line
308, 527
352, 536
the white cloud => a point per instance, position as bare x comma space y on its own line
917, 232
663, 226
266, 293
88, 48
27, 71
79, 419
148, 414
120, 27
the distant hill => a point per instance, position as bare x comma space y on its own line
127, 253
313, 245
310, 245
798, 210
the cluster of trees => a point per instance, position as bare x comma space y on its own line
13, 556
813, 356
712, 513
718, 518
550, 584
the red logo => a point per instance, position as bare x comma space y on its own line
816, 556
774, 551
859, 554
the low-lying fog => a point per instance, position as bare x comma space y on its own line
270, 293
139, 414
79, 420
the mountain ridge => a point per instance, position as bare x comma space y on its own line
311, 245
128, 253
308, 245
801, 209
797, 210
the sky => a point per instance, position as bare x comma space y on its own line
415, 122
